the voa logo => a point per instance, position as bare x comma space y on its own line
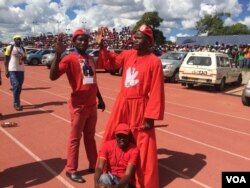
236, 179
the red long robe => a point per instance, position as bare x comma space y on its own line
141, 96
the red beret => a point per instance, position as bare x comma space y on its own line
146, 30
122, 128
80, 31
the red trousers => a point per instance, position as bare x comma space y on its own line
83, 122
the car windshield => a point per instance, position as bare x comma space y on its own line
198, 60
172, 56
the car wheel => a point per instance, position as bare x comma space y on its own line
239, 81
175, 77
190, 85
34, 62
221, 86
245, 100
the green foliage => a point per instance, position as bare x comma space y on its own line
153, 20
236, 29
213, 25
159, 37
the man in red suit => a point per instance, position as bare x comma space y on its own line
80, 70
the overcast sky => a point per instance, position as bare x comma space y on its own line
27, 17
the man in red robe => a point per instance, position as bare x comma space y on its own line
140, 101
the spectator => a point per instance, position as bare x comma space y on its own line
247, 57
140, 101
120, 157
240, 57
15, 56
80, 70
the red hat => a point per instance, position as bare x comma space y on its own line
80, 31
122, 128
146, 30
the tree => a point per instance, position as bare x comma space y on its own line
153, 20
236, 29
210, 24
213, 25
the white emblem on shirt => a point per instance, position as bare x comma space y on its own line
131, 80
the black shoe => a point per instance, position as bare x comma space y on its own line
91, 170
18, 107
74, 177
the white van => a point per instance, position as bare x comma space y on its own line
209, 68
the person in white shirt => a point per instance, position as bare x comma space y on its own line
15, 56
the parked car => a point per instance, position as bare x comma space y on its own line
27, 49
171, 62
36, 58
245, 97
48, 58
32, 51
209, 68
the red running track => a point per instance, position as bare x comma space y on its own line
208, 133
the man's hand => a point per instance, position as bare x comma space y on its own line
101, 105
99, 35
148, 123
61, 44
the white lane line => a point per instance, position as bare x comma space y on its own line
48, 92
219, 149
183, 117
189, 91
219, 113
177, 104
98, 135
162, 130
210, 111
204, 144
36, 158
184, 176
209, 124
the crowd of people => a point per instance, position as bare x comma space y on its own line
114, 39
239, 53
124, 40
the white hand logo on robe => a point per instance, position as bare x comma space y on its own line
130, 80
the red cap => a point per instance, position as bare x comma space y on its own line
146, 30
80, 31
122, 128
